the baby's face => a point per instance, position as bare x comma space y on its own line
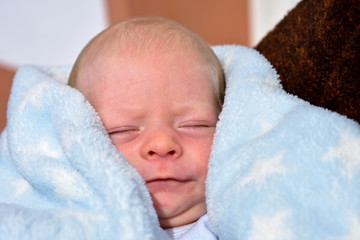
160, 112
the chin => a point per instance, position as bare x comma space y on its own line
174, 214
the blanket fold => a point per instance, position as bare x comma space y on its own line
60, 171
280, 168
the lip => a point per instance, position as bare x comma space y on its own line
165, 179
166, 184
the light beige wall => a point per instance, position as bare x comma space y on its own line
218, 22
6, 76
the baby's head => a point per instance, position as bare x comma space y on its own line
158, 88
147, 35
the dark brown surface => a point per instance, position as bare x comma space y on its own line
315, 50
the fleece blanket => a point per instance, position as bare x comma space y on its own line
280, 168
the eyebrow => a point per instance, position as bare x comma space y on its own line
195, 107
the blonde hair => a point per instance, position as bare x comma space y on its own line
146, 34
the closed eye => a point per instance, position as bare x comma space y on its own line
197, 129
196, 126
123, 135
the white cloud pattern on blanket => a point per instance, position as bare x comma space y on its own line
347, 151
271, 227
262, 170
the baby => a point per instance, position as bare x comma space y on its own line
158, 88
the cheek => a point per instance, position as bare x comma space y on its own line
200, 147
199, 152
129, 152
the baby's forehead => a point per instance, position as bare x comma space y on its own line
135, 50
146, 36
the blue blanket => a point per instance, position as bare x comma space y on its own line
280, 168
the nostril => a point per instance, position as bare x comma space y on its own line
170, 153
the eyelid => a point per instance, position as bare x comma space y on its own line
123, 134
122, 129
196, 123
197, 129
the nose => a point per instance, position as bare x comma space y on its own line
161, 143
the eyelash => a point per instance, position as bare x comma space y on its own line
195, 126
124, 130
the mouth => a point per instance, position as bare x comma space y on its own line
166, 184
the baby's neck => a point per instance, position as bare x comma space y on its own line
197, 230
